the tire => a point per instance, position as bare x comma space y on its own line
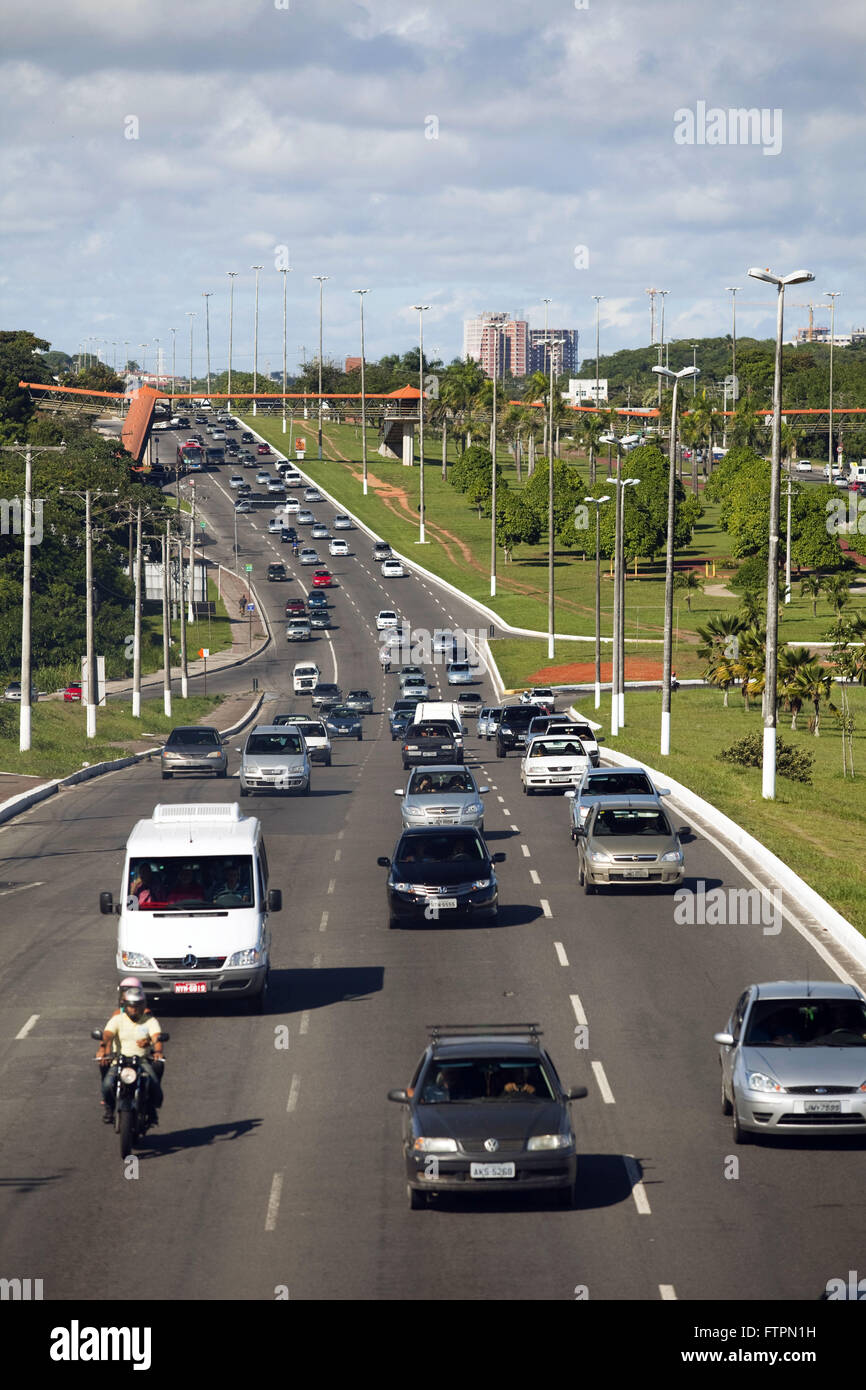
417, 1200
258, 1004
126, 1128
242, 791
727, 1108
741, 1136
306, 791
360, 736
328, 761
528, 791
167, 776
393, 924
224, 773
405, 767
565, 1198
500, 752
588, 888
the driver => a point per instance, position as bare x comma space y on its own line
233, 885
132, 1031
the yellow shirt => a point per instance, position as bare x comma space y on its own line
127, 1033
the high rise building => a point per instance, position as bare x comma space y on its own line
565, 354
497, 339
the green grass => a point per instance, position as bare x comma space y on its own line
215, 634
814, 829
60, 745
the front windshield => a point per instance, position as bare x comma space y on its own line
555, 748
614, 822
441, 849
190, 881
807, 1023
485, 1079
274, 744
432, 781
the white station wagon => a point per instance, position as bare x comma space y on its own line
553, 761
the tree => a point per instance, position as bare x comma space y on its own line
567, 492
813, 683
814, 542
473, 460
645, 509
97, 377
837, 589
517, 521
691, 582
812, 585
20, 360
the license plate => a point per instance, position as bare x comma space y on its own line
823, 1107
635, 873
492, 1170
190, 987
443, 902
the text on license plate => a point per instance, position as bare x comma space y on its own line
823, 1107
492, 1170
635, 873
190, 987
443, 902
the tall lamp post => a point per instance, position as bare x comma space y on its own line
493, 469
190, 313
420, 308
832, 295
360, 294
173, 332
231, 274
256, 268
206, 297
91, 684
321, 279
550, 343
676, 378
597, 503
598, 298
768, 771
284, 271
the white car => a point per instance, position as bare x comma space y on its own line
236, 480
338, 547
343, 523
320, 532
392, 569
558, 760
275, 526
218, 434
291, 506
309, 557
386, 618
291, 478
312, 494
804, 466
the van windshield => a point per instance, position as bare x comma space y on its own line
190, 881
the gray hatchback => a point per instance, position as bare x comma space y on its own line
275, 758
442, 796
194, 748
621, 844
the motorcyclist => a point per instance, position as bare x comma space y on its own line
385, 660
131, 1031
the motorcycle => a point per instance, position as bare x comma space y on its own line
131, 1098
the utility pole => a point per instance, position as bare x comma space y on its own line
136, 624
285, 274
190, 313
184, 674
256, 268
421, 308
231, 274
360, 294
206, 297
833, 295
166, 623
91, 684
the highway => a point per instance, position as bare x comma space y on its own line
278, 1167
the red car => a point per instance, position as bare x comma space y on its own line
322, 579
72, 692
295, 606
263, 449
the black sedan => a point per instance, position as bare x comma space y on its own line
344, 723
442, 876
432, 741
288, 535
360, 700
487, 1113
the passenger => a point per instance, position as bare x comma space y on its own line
520, 1086
186, 888
146, 886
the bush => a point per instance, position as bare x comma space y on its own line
790, 761
752, 574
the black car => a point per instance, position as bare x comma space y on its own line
513, 724
326, 695
246, 437
360, 700
432, 741
289, 534
487, 1112
401, 716
344, 723
442, 876
320, 618
277, 571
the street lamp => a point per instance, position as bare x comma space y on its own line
695, 365
617, 685
256, 268
421, 308
832, 295
91, 685
768, 773
173, 332
360, 294
493, 469
191, 314
284, 271
676, 378
321, 279
597, 502
206, 295
550, 343
598, 298
231, 274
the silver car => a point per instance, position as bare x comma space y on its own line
793, 1060
194, 748
622, 844
460, 673
481, 726
442, 795
275, 758
606, 785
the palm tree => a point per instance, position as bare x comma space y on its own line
812, 584
836, 587
710, 425
792, 660
753, 607
745, 430
749, 665
814, 684
721, 672
720, 636
692, 582
592, 428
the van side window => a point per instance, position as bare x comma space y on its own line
262, 878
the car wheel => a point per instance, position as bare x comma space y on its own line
306, 791
167, 776
528, 791
405, 767
360, 736
500, 751
588, 888
243, 791
417, 1200
328, 761
726, 1104
224, 773
741, 1136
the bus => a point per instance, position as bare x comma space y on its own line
190, 456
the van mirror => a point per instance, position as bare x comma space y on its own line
499, 858
599, 738
275, 900
106, 904
383, 862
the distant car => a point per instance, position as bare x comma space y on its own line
246, 437
469, 702
431, 741
344, 723
407, 672
401, 716
320, 532
236, 480
381, 551
804, 466
289, 534
326, 695
73, 692
244, 490
416, 686
541, 695
361, 701
276, 487
323, 579
299, 630
444, 642
314, 733
343, 522
277, 572
309, 557
312, 494
291, 506
512, 727
275, 526
589, 737
295, 608
386, 618
194, 748
338, 547
274, 758
262, 448
320, 619
459, 673
263, 476
317, 600
244, 506
392, 569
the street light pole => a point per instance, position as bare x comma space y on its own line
173, 332
256, 268
321, 279
550, 343
598, 298
136, 624
231, 274
832, 295
768, 773
676, 377
166, 624
421, 307
190, 315
206, 297
493, 470
360, 294
284, 271
597, 501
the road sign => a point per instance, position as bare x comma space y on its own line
251, 608
204, 651
248, 568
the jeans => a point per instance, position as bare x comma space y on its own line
152, 1070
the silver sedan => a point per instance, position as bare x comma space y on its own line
443, 795
621, 844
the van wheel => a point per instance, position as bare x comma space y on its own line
243, 791
167, 776
328, 761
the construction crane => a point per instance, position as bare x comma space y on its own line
811, 305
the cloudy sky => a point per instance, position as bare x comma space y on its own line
464, 154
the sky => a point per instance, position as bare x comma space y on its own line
466, 156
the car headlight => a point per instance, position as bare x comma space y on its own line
425, 1145
252, 956
415, 811
136, 961
599, 856
506, 728
673, 856
482, 883
403, 888
549, 1141
217, 753
759, 1081
168, 753
473, 809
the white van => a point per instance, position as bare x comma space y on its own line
858, 472
305, 676
439, 710
194, 904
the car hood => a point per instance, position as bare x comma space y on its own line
471, 1123
210, 932
808, 1066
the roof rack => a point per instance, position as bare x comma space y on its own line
439, 1030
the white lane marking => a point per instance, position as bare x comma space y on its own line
274, 1202
578, 1010
602, 1082
500, 798
338, 854
341, 834
668, 1293
331, 883
638, 1191
305, 1022
324, 922
19, 888
560, 951
545, 907
505, 812
26, 1029
292, 1102
534, 875
515, 828
525, 849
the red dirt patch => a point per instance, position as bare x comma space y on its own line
637, 668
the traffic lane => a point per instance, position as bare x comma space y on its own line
659, 1059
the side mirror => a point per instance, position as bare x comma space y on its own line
106, 907
401, 1097
96, 1034
577, 1093
499, 858
684, 830
275, 900
663, 791
570, 794
726, 1039
483, 790
578, 830
398, 791
383, 862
